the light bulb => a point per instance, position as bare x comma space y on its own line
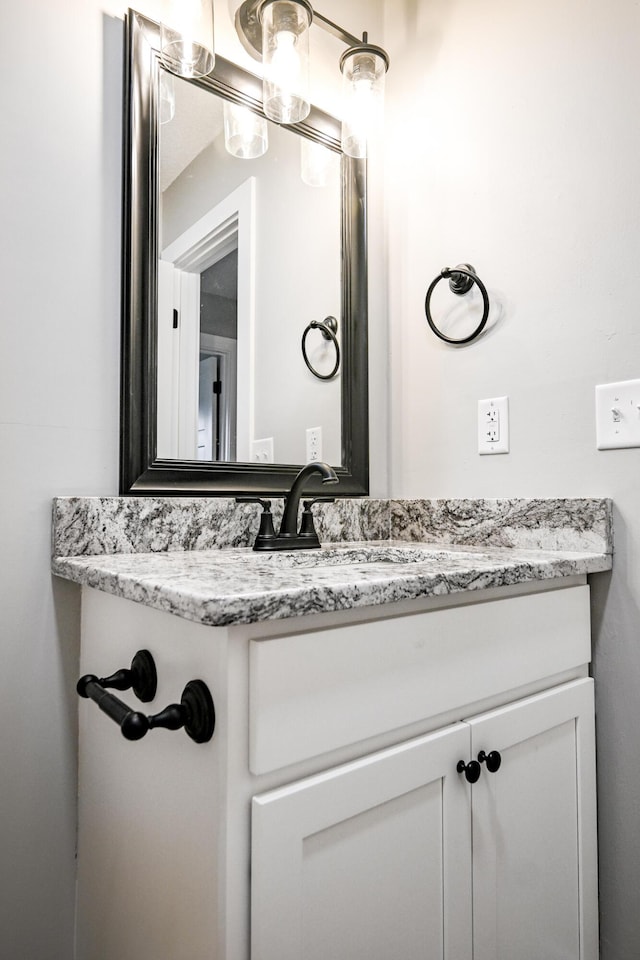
284, 73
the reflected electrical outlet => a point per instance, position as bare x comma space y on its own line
314, 444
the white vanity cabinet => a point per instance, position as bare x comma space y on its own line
327, 817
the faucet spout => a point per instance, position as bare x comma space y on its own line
289, 526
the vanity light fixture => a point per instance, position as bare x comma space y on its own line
186, 37
245, 132
277, 31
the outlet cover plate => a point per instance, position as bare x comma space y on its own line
493, 426
618, 415
314, 443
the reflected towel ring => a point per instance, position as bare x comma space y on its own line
328, 328
461, 279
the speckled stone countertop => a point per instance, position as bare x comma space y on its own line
190, 557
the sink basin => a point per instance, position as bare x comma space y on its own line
343, 555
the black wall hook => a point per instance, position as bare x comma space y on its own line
461, 279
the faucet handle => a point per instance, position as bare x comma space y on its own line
266, 533
307, 526
265, 504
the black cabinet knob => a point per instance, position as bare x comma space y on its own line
471, 770
492, 760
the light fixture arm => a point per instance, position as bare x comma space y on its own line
249, 29
337, 31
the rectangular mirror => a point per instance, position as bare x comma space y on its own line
229, 264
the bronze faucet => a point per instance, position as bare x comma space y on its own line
289, 536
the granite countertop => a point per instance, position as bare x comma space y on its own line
233, 586
444, 547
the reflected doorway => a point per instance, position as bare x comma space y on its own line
205, 371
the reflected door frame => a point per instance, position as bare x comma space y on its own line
228, 225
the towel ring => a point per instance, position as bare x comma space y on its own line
461, 279
328, 328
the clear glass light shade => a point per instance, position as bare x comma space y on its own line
285, 58
363, 73
186, 37
319, 166
245, 133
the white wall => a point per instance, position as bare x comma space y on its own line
59, 346
514, 144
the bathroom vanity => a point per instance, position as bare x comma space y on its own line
403, 759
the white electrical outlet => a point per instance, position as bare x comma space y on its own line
262, 450
618, 415
493, 425
314, 444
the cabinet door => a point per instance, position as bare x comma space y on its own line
534, 830
364, 861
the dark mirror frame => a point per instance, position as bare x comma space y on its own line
141, 471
